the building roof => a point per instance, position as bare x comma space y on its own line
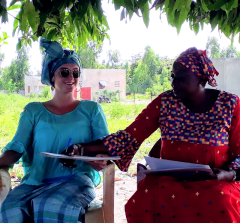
34, 77
103, 83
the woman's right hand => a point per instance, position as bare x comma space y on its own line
8, 158
70, 151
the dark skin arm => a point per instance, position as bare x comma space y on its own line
155, 151
8, 158
93, 148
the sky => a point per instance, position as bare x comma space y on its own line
131, 37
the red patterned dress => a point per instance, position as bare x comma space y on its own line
211, 138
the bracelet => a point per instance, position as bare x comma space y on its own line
80, 149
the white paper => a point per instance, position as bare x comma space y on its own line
163, 165
84, 158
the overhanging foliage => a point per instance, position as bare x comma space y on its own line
74, 22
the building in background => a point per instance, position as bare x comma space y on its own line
91, 83
33, 84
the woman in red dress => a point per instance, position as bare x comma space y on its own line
198, 125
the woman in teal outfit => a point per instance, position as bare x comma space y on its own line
50, 192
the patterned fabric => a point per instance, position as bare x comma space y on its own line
157, 200
60, 202
178, 123
235, 164
218, 127
121, 144
197, 61
54, 58
168, 199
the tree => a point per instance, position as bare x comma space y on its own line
214, 50
230, 52
131, 82
213, 47
73, 22
14, 74
113, 59
151, 60
89, 53
1, 60
2, 41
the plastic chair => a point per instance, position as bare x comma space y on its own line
99, 213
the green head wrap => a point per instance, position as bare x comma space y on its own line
54, 58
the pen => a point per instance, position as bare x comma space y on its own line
69, 142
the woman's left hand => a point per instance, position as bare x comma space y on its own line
99, 164
223, 174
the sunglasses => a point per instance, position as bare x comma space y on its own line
65, 73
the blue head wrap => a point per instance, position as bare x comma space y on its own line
55, 57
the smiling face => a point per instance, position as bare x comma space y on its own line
65, 84
185, 83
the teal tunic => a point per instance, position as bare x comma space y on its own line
39, 130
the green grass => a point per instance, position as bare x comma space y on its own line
119, 116
138, 97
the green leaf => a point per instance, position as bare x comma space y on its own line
54, 24
215, 19
178, 5
3, 3
31, 15
23, 19
29, 42
218, 4
122, 14
104, 21
196, 28
43, 17
5, 36
145, 14
4, 15
34, 38
118, 4
171, 11
202, 25
183, 14
204, 6
13, 7
230, 5
19, 44
15, 24
176, 21
141, 3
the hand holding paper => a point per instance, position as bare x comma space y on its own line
179, 169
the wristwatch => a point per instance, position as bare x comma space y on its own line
234, 173
80, 149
